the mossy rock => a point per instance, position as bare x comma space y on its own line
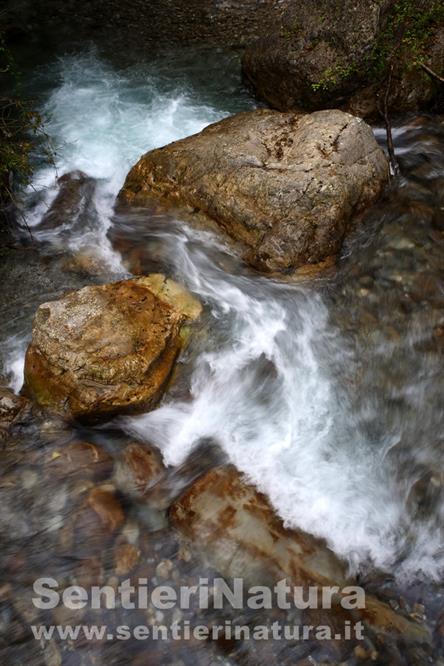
341, 55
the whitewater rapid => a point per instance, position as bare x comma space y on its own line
263, 387
267, 395
100, 122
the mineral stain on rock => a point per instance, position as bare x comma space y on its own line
109, 348
284, 186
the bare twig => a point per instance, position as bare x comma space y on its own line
25, 222
388, 127
20, 212
431, 73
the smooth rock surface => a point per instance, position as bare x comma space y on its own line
284, 186
107, 349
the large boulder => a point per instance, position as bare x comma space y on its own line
109, 348
285, 186
323, 54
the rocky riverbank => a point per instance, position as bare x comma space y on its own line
364, 57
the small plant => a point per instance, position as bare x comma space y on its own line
332, 76
409, 28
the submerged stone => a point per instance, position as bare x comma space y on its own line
244, 537
139, 467
237, 531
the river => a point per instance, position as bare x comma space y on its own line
327, 392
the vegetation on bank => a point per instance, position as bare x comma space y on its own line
409, 27
19, 125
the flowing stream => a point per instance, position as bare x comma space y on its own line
326, 393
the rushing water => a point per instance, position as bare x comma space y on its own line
328, 394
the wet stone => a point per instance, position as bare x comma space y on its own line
126, 557
81, 458
13, 408
91, 527
139, 467
108, 349
107, 507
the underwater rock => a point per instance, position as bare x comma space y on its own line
237, 531
139, 467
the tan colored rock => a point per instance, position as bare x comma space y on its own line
109, 348
285, 186
126, 557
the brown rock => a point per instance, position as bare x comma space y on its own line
81, 458
381, 617
126, 557
92, 525
240, 535
243, 536
107, 507
107, 349
140, 467
284, 186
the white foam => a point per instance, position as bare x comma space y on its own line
264, 389
267, 395
101, 122
14, 350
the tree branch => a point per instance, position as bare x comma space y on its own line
388, 127
431, 73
